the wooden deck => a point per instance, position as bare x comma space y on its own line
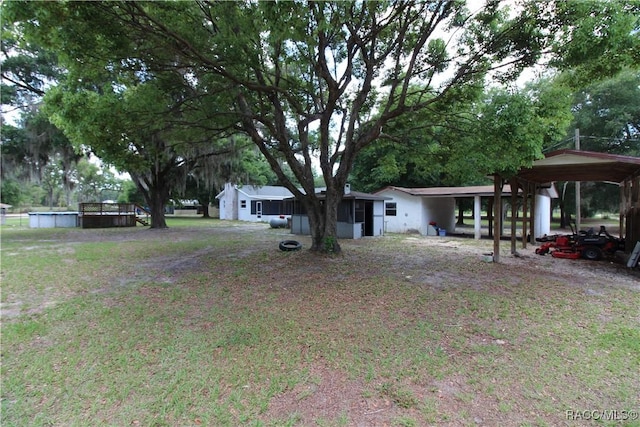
108, 215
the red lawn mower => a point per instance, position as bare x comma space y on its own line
585, 244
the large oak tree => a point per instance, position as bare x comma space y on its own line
316, 82
311, 82
136, 114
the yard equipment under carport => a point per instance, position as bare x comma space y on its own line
585, 244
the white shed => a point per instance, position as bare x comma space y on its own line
413, 209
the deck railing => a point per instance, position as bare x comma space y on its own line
105, 215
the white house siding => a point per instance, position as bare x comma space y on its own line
244, 209
409, 213
413, 213
228, 202
236, 201
378, 219
416, 208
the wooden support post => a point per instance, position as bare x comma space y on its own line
490, 215
514, 211
497, 222
578, 200
623, 206
532, 215
633, 209
525, 206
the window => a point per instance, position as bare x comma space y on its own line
390, 209
243, 204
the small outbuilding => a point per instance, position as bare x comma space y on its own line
359, 215
425, 210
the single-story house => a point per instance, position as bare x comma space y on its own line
254, 203
415, 209
359, 215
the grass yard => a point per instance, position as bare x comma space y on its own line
209, 324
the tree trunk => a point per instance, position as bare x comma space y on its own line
51, 199
460, 213
563, 211
323, 221
156, 207
156, 197
204, 202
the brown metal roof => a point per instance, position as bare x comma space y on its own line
364, 196
351, 195
574, 165
478, 190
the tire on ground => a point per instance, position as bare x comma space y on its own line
290, 245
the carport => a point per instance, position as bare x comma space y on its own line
576, 166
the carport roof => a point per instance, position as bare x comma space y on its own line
478, 190
574, 165
351, 195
